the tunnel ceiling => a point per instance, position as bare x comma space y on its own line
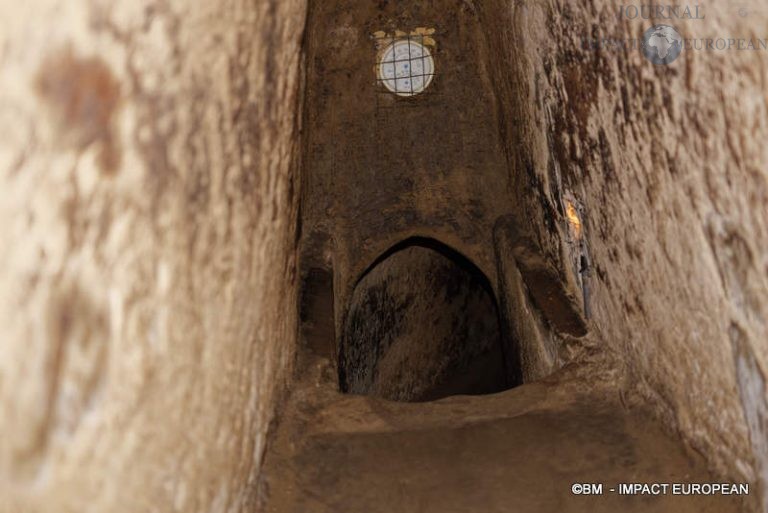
431, 164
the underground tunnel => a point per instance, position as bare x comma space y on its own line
384, 256
423, 171
423, 324
446, 255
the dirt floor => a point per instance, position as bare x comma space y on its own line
519, 450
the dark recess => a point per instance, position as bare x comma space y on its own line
423, 323
317, 317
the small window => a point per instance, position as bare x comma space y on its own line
406, 67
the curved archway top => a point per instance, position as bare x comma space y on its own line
395, 244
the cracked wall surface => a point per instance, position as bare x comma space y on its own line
672, 170
147, 283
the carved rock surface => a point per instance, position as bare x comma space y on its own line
671, 167
147, 286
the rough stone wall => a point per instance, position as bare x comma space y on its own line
147, 284
381, 168
671, 167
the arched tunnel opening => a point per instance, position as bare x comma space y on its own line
423, 323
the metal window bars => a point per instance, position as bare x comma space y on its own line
405, 66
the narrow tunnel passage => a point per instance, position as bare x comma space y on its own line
423, 324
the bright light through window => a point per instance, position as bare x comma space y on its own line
406, 67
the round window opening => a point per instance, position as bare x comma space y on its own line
406, 67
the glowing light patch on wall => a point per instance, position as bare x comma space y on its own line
406, 67
574, 221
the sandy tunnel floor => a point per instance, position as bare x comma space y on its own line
519, 450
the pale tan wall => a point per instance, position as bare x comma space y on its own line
147, 285
671, 164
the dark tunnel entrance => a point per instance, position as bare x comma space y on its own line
423, 324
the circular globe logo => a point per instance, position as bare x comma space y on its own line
662, 44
